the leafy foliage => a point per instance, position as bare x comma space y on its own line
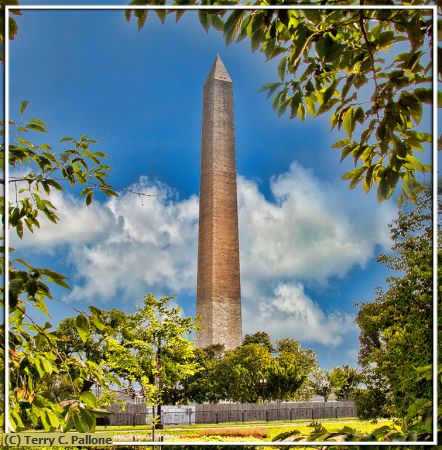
149, 347
251, 372
342, 382
289, 370
33, 352
369, 70
261, 337
396, 328
13, 27
345, 381
240, 372
202, 386
321, 383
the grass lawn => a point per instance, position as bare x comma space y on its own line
234, 432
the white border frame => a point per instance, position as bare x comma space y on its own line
232, 7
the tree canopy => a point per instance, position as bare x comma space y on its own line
397, 327
253, 372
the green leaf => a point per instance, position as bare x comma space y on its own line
52, 418
204, 19
329, 92
37, 122
385, 38
80, 425
89, 398
25, 263
99, 324
346, 151
359, 115
233, 25
45, 420
87, 420
349, 121
179, 14
270, 87
99, 412
89, 197
425, 95
294, 104
109, 192
161, 14
23, 105
141, 15
19, 229
310, 104
301, 111
35, 127
348, 84
357, 175
341, 143
416, 113
15, 419
217, 22
41, 305
282, 67
95, 310
40, 367
387, 184
378, 433
416, 164
54, 184
417, 406
54, 276
82, 325
256, 40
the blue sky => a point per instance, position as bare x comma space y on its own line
308, 243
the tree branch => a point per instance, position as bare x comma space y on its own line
370, 53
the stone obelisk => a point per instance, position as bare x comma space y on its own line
218, 280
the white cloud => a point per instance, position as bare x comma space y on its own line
311, 231
126, 246
289, 311
152, 244
77, 224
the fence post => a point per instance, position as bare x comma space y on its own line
133, 419
267, 416
337, 408
291, 414
190, 416
312, 412
243, 413
216, 417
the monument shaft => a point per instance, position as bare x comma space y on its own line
218, 279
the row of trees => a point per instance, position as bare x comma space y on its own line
149, 349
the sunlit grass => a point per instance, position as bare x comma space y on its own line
238, 431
